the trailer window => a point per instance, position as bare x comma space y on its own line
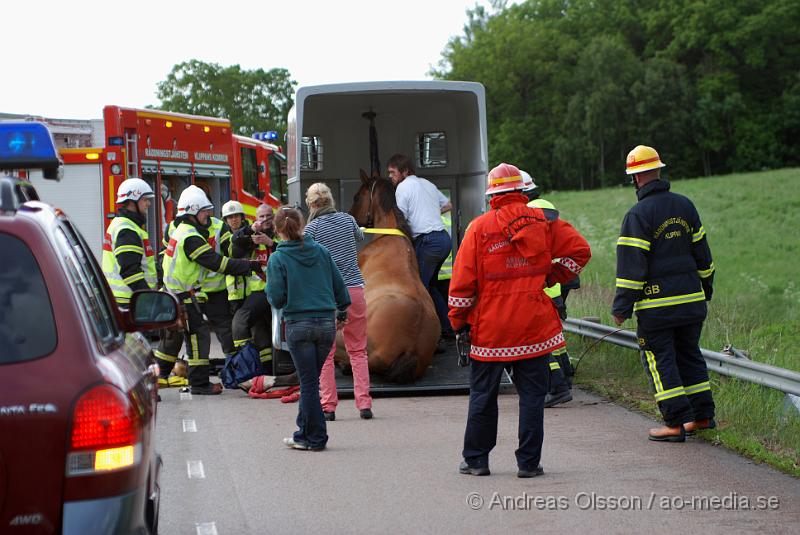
311, 153
250, 171
277, 176
431, 149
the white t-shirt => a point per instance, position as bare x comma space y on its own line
421, 202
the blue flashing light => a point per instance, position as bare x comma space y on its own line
116, 141
265, 136
27, 145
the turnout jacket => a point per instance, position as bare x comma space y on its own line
664, 267
509, 255
126, 244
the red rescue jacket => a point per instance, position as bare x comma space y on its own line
507, 258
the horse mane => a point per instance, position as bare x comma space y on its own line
388, 203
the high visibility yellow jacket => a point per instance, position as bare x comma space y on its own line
128, 261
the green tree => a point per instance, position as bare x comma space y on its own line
253, 100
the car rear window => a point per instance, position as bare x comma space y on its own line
27, 328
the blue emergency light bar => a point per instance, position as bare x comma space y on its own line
27, 145
270, 135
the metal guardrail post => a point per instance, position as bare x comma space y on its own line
787, 381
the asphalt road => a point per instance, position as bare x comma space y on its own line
226, 471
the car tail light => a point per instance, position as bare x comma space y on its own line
105, 433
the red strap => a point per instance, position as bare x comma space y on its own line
258, 384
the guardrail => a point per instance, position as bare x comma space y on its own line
787, 381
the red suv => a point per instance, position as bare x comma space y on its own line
78, 395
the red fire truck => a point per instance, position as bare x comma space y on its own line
170, 151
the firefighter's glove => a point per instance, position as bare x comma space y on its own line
463, 345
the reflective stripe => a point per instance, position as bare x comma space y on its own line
629, 284
671, 393
163, 356
200, 250
554, 366
265, 354
634, 242
195, 349
669, 301
518, 351
571, 265
559, 351
198, 362
128, 249
133, 278
651, 364
214, 281
239, 343
705, 273
699, 387
697, 236
460, 302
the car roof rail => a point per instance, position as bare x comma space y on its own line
14, 192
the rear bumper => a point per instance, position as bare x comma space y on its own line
120, 514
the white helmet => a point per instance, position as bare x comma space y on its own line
133, 189
527, 181
232, 208
192, 200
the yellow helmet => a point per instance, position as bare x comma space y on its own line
641, 159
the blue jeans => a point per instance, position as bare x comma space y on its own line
432, 250
531, 379
309, 341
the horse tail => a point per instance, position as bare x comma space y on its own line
403, 369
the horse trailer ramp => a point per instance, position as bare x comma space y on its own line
444, 374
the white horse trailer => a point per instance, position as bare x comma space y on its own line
336, 130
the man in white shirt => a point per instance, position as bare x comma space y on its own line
422, 205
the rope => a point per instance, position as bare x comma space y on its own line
583, 354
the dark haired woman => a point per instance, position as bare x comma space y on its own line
304, 281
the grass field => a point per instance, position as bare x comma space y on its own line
753, 226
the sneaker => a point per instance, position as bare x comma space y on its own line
557, 398
466, 469
538, 471
366, 414
290, 442
329, 416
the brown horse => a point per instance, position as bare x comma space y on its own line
402, 326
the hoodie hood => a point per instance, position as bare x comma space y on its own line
523, 226
305, 252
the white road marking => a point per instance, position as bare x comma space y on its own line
206, 528
195, 469
186, 396
189, 426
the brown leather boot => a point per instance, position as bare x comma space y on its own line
699, 425
667, 434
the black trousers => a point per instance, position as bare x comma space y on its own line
197, 337
677, 372
560, 372
252, 320
218, 311
531, 377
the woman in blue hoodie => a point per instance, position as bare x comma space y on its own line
303, 280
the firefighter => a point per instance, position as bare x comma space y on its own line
665, 275
128, 260
252, 317
560, 366
187, 257
497, 293
213, 285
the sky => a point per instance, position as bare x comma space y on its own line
67, 59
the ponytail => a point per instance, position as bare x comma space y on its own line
289, 222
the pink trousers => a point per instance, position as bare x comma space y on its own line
355, 341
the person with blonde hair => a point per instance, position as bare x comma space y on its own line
305, 282
338, 232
